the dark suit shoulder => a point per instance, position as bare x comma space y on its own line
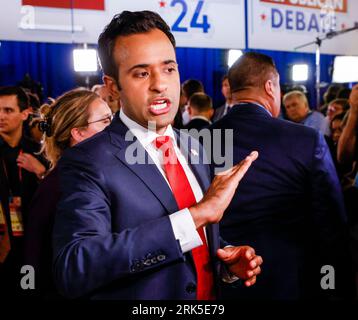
259, 120
28, 145
94, 147
197, 124
256, 130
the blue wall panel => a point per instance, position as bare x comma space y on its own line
51, 64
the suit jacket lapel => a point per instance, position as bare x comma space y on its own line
193, 152
148, 173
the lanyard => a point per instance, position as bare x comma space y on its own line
6, 173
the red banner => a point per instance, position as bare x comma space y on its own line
66, 4
337, 5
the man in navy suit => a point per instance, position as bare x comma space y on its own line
289, 205
124, 228
225, 90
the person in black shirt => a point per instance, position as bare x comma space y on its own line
20, 172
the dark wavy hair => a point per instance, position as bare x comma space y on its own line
21, 96
125, 24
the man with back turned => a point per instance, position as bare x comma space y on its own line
289, 205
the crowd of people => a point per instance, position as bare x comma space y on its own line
93, 225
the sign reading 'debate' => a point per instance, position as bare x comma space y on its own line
286, 24
195, 23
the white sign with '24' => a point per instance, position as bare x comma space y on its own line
195, 23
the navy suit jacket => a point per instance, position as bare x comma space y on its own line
288, 206
219, 113
112, 237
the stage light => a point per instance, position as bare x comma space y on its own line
233, 56
85, 60
345, 69
300, 72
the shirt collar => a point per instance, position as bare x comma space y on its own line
145, 136
307, 116
201, 117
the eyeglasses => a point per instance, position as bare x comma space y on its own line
107, 118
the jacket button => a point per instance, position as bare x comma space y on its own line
147, 262
161, 257
191, 288
136, 267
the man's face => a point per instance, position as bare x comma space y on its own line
148, 77
11, 118
296, 109
225, 89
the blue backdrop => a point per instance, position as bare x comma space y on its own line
51, 64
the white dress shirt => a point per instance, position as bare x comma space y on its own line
185, 115
227, 108
181, 221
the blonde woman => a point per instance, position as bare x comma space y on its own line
72, 118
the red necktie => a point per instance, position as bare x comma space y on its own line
185, 198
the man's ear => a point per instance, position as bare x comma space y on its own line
25, 114
112, 86
211, 113
269, 88
190, 110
